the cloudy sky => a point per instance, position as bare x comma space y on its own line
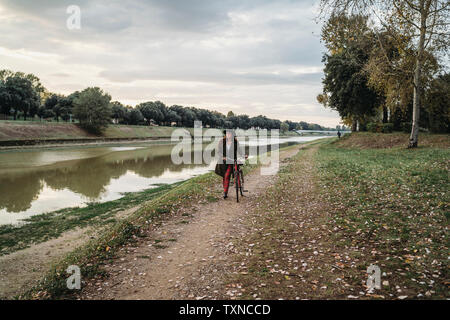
248, 56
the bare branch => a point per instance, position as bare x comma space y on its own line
403, 16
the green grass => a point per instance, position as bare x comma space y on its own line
387, 207
396, 202
51, 225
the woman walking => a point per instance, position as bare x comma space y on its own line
228, 151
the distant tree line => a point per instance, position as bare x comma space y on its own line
23, 95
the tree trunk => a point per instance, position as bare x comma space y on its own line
354, 125
385, 114
414, 137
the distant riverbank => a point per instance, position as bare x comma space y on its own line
25, 134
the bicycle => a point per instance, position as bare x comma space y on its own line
238, 179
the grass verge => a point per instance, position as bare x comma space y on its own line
335, 210
391, 208
51, 225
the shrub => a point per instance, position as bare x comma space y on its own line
405, 127
387, 127
373, 127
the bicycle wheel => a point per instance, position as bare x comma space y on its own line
241, 184
236, 183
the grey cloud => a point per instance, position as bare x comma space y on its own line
214, 76
240, 46
61, 75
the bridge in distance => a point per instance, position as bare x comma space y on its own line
324, 132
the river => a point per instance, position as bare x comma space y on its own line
36, 181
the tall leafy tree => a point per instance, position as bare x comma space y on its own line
118, 111
92, 108
172, 116
349, 41
53, 103
284, 127
133, 116
151, 111
437, 102
346, 86
21, 96
5, 105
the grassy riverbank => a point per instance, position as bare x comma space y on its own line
344, 205
36, 131
390, 207
44, 227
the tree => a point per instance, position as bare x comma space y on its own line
390, 70
133, 116
349, 41
243, 121
342, 32
303, 125
52, 103
151, 111
284, 127
292, 125
426, 21
219, 120
5, 105
92, 109
188, 117
172, 116
20, 95
35, 82
179, 111
346, 86
162, 109
66, 105
44, 113
437, 101
118, 111
275, 124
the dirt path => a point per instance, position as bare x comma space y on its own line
21, 269
177, 258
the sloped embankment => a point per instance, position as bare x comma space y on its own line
29, 133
